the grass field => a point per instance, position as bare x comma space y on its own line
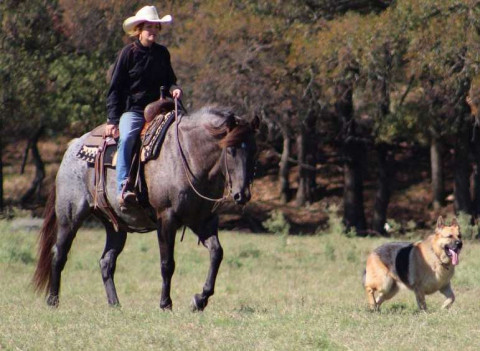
273, 293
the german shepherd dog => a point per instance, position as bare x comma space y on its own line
424, 267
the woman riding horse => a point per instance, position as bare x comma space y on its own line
141, 68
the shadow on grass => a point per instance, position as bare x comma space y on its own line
396, 308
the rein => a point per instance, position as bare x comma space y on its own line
187, 169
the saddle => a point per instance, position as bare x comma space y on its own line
100, 153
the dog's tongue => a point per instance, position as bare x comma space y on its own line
454, 257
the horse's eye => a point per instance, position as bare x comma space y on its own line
243, 145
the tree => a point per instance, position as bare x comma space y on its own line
381, 77
444, 57
29, 38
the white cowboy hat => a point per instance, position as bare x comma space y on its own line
145, 14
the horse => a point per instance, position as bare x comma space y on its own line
203, 154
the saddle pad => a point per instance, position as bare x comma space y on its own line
88, 153
152, 140
89, 149
155, 134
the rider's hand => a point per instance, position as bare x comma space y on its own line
177, 94
111, 130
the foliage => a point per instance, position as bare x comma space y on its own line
29, 42
410, 65
335, 221
80, 97
285, 59
277, 223
468, 229
393, 227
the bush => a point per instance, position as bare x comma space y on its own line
468, 230
335, 223
277, 223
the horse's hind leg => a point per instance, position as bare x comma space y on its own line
209, 237
113, 247
65, 237
71, 208
70, 217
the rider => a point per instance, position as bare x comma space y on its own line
141, 68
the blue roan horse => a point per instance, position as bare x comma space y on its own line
205, 152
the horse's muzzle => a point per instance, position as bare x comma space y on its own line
242, 197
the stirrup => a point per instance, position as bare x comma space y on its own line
129, 197
127, 200
126, 196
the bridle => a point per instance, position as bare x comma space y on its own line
188, 172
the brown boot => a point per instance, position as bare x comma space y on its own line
126, 198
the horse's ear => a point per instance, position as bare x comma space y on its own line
255, 124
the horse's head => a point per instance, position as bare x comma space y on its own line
240, 157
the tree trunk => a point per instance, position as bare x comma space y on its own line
1, 172
385, 174
382, 197
301, 197
35, 188
354, 214
311, 156
306, 145
476, 175
463, 201
3, 114
354, 152
311, 172
284, 169
436, 164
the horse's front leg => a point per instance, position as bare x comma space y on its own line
166, 230
209, 237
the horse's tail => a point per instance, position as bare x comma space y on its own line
47, 238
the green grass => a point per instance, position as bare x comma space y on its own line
302, 293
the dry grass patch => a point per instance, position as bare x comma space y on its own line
303, 293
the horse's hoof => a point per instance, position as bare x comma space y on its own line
166, 306
199, 303
53, 301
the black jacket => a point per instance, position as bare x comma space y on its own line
138, 74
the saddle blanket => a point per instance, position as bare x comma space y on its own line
152, 137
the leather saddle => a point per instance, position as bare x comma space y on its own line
151, 137
100, 153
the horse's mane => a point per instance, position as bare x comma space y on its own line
231, 131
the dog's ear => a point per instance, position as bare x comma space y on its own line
440, 223
454, 222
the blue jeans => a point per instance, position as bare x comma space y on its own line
131, 124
